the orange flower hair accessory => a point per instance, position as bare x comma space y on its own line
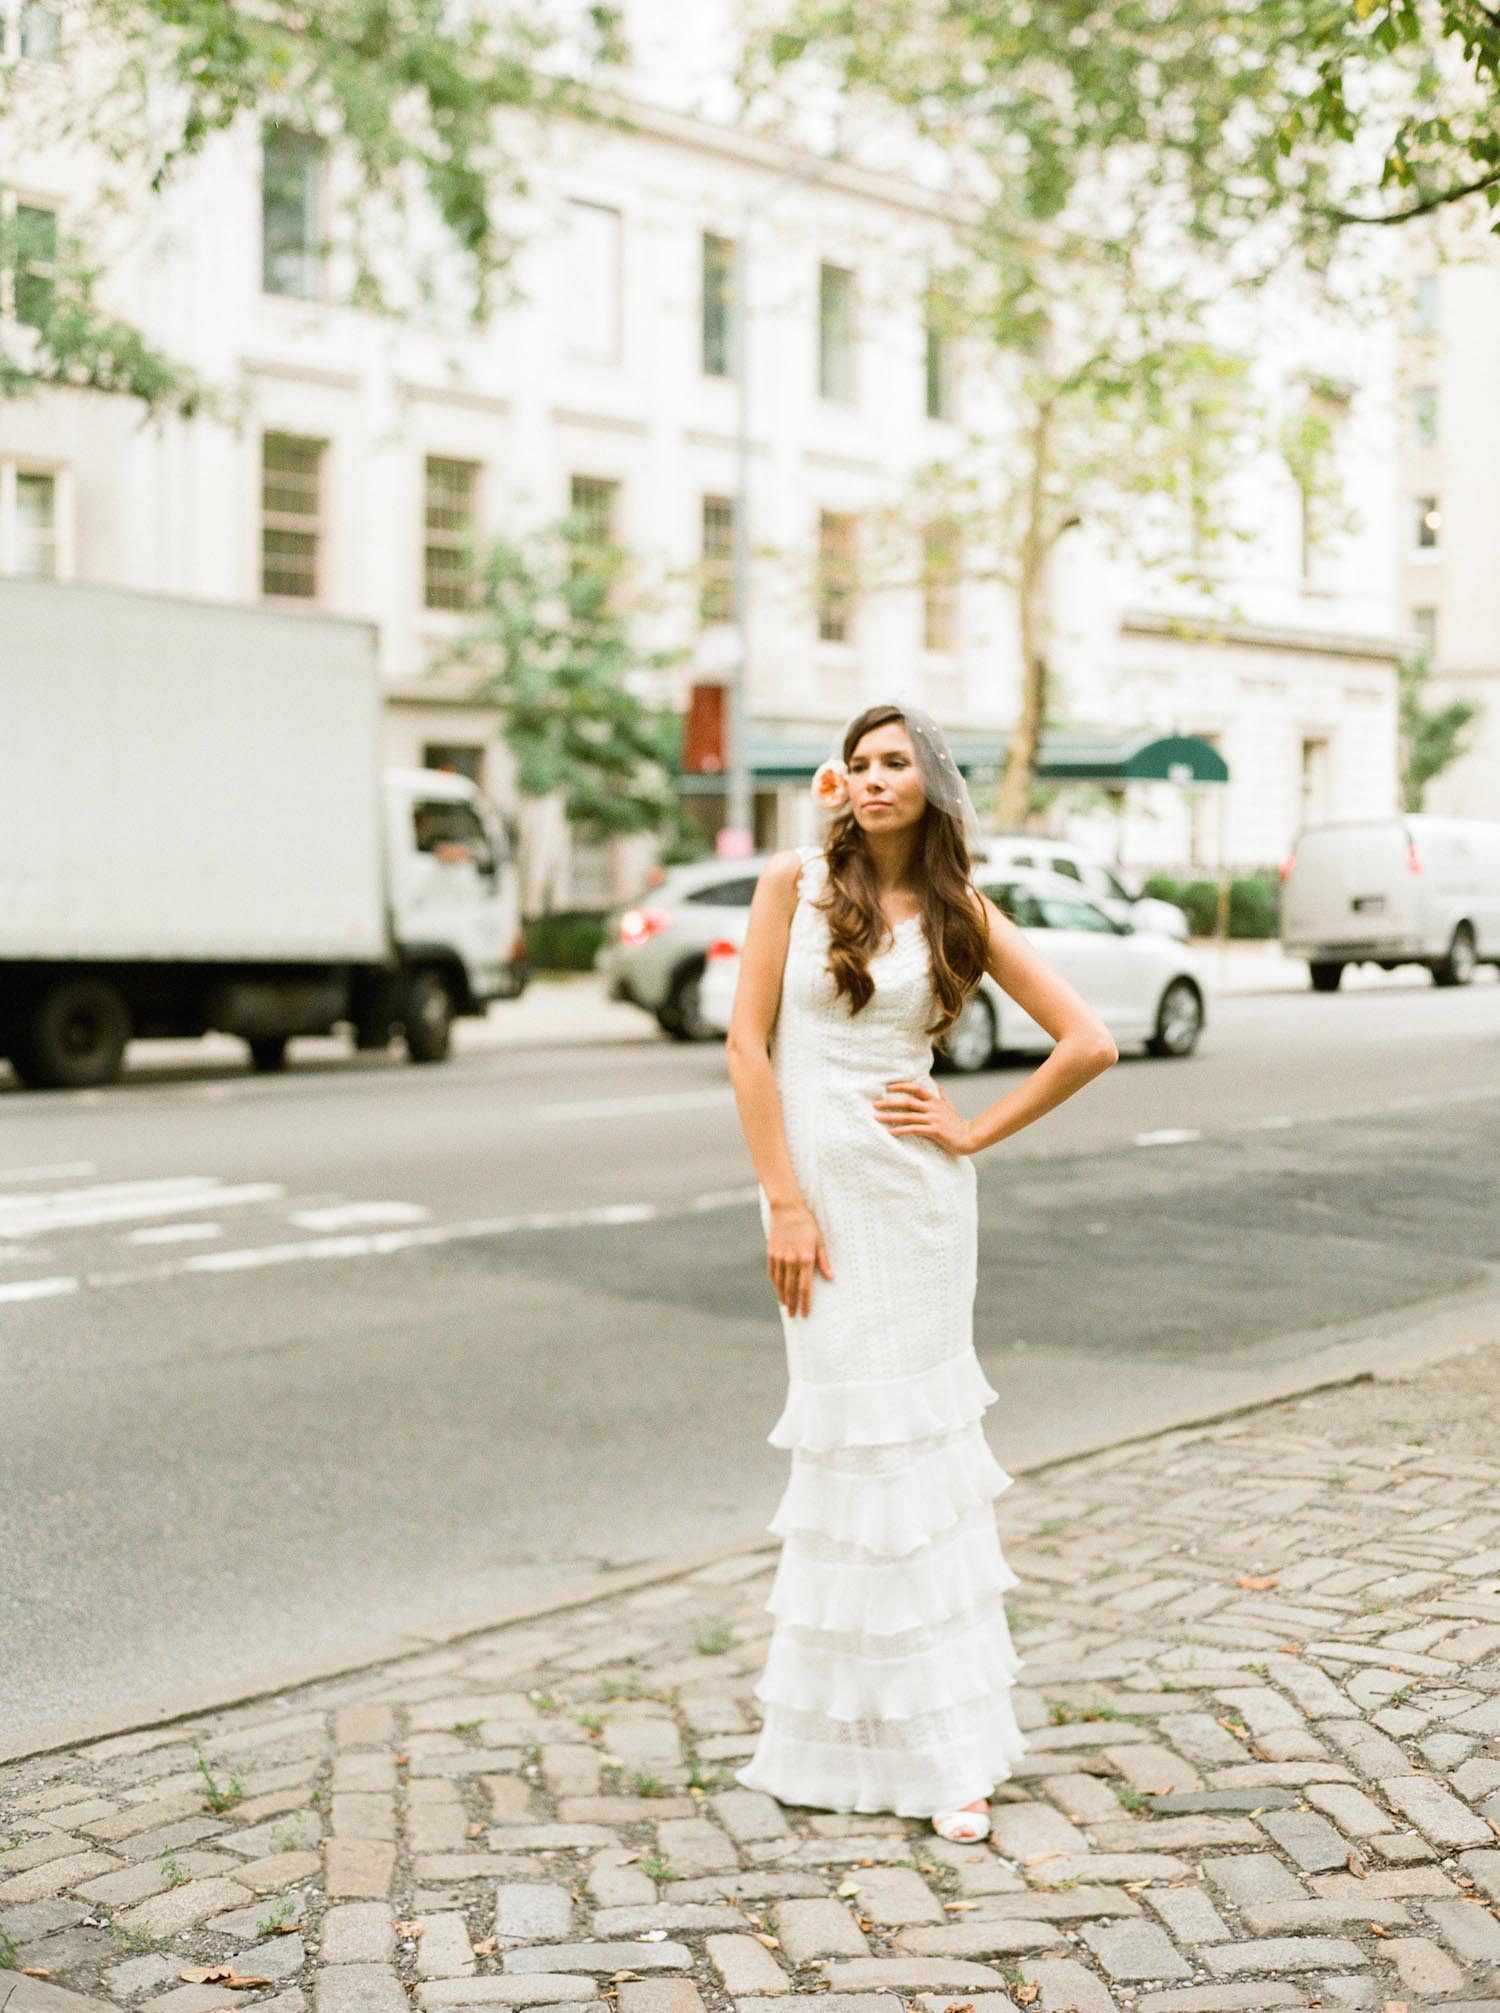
830, 786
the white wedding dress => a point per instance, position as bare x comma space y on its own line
888, 1674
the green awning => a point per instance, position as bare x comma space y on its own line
1067, 755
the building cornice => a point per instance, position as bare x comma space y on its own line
293, 372
775, 157
1261, 636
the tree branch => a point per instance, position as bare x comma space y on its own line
1422, 209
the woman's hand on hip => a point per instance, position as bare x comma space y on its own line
794, 1252
913, 1106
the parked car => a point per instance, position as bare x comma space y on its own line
1147, 988
1100, 882
1413, 890
653, 951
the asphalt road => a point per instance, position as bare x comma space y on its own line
288, 1364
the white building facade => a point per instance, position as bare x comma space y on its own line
369, 452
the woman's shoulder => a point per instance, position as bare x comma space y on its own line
784, 870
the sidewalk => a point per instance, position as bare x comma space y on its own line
1263, 1686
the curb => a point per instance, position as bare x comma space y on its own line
143, 1715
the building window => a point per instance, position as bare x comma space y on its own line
940, 575
36, 526
1424, 623
1425, 305
33, 276
1429, 523
1314, 779
593, 301
41, 33
838, 554
716, 597
593, 502
938, 361
836, 334
291, 213
1424, 414
718, 306
1313, 445
291, 530
450, 496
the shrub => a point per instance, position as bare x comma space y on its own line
1254, 906
565, 941
1201, 900
1164, 888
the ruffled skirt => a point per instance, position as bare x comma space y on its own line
888, 1674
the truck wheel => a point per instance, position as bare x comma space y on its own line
268, 1052
73, 1037
427, 1017
1457, 969
1325, 978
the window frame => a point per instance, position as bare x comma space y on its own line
716, 299
313, 250
837, 584
832, 334
13, 467
13, 202
457, 544
289, 521
942, 577
1427, 539
940, 378
716, 593
578, 351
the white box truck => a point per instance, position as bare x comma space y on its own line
196, 833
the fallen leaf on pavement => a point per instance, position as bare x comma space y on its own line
411, 1929
957, 1907
849, 1887
488, 1947
1289, 1649
1026, 1995
771, 1942
959, 2006
41, 1971
1036, 1858
1257, 1582
1355, 1865
221, 1974
619, 1977
1377, 1930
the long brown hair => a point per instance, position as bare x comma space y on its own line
957, 941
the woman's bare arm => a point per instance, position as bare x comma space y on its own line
795, 1244
1085, 1049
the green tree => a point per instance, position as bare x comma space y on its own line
426, 102
552, 640
1430, 740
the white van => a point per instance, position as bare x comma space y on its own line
1398, 891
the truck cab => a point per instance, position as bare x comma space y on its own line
454, 899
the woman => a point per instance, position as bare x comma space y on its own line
887, 1681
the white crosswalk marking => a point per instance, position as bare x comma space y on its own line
36, 1289
32, 1213
57, 1170
174, 1233
348, 1215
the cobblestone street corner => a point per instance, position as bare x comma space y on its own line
1263, 1690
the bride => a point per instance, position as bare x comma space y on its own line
888, 1673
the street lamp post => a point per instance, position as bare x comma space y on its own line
738, 836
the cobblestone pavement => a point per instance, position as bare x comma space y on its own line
1263, 1689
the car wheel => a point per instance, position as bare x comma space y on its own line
1457, 969
73, 1037
268, 1052
970, 1043
682, 1016
1179, 1020
1325, 978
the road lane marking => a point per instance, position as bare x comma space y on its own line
80, 1209
57, 1170
628, 1107
1169, 1135
174, 1233
346, 1215
386, 1243
37, 1289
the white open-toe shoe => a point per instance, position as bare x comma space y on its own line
962, 1827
